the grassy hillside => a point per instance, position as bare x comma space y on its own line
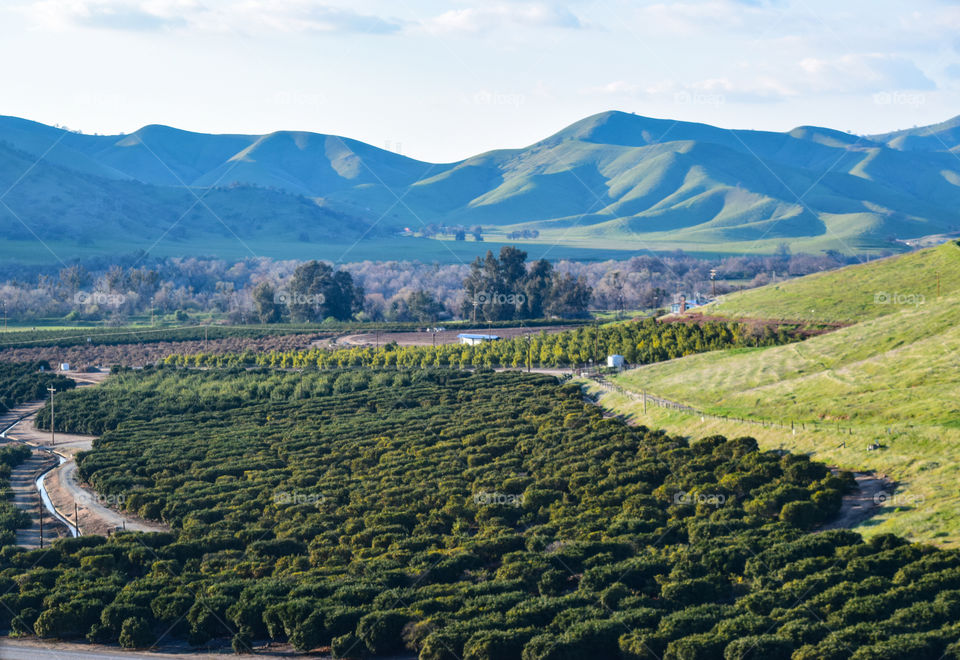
890, 378
856, 293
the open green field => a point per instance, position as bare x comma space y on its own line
855, 293
393, 249
890, 379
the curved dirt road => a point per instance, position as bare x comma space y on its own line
68, 497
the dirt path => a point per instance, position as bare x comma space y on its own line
31, 649
867, 501
23, 484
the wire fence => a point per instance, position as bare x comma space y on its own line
651, 400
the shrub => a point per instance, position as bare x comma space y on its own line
135, 634
381, 632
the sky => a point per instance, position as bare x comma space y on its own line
441, 81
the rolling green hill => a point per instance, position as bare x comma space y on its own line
613, 181
856, 293
889, 378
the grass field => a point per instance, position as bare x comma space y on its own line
395, 249
855, 293
890, 378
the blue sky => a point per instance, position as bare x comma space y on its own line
441, 81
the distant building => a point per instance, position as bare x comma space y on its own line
681, 305
615, 361
466, 338
64, 366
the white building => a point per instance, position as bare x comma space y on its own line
615, 361
466, 338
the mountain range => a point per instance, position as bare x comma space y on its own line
612, 181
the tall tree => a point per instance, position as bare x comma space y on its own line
536, 288
264, 297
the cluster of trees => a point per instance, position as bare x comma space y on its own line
117, 289
459, 232
640, 342
314, 292
483, 516
28, 381
503, 289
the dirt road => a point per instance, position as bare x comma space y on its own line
25, 496
68, 497
65, 491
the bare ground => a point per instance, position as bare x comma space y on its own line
867, 501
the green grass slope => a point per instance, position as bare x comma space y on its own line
856, 293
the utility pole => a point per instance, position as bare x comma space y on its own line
713, 281
529, 352
53, 436
596, 342
40, 501
76, 517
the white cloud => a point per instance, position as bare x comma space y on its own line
241, 17
710, 16
859, 73
496, 16
710, 90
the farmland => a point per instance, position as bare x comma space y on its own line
453, 514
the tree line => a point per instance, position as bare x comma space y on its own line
175, 289
640, 342
21, 382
